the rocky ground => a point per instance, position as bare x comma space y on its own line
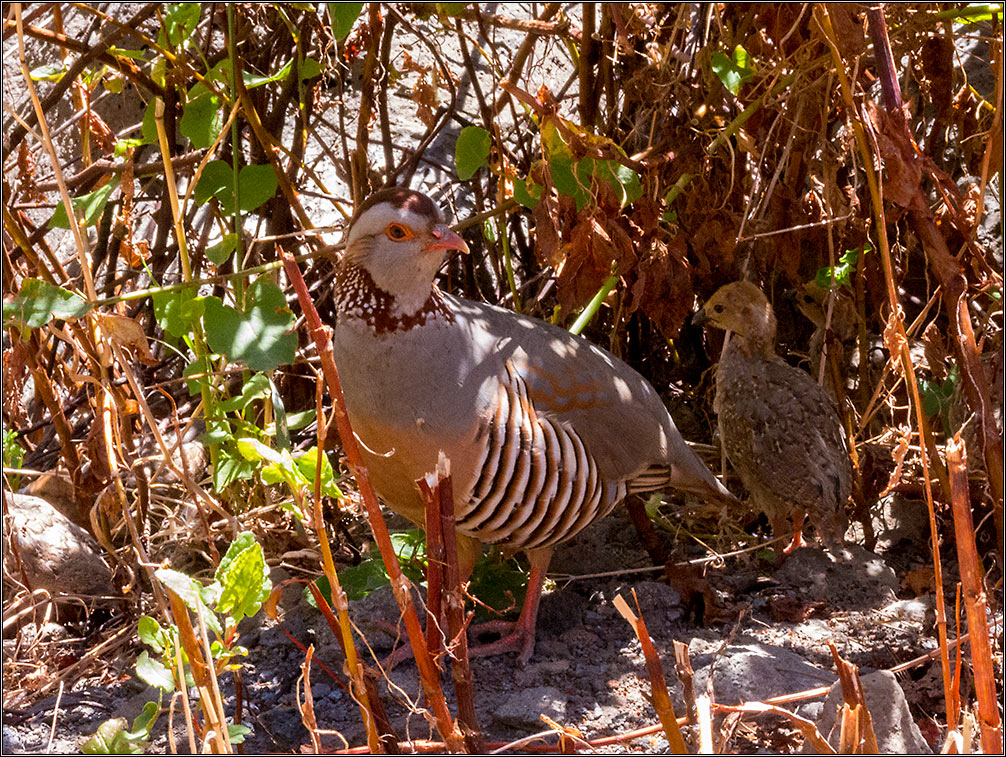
771, 638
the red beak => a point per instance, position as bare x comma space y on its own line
445, 239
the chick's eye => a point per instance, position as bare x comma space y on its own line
397, 232
717, 308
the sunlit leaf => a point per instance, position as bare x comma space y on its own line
202, 119
39, 302
261, 335
471, 151
153, 673
732, 71
244, 578
343, 17
87, 207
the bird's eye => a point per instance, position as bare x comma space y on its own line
398, 232
717, 308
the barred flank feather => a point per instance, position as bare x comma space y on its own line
538, 484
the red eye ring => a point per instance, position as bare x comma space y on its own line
398, 232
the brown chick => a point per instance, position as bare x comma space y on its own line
779, 428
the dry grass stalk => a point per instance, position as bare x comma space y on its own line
972, 581
658, 684
685, 674
857, 735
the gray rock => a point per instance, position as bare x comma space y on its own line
898, 519
751, 671
856, 580
893, 725
57, 554
525, 708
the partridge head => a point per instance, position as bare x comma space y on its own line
545, 432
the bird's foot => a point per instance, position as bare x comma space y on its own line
515, 638
798, 542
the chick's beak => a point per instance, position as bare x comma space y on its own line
445, 239
700, 317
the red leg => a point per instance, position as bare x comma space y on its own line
797, 542
521, 636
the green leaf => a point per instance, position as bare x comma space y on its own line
48, 72
202, 119
567, 182
231, 467
39, 302
123, 146
251, 80
575, 180
151, 634
451, 9
143, 723
359, 580
180, 20
119, 52
237, 732
87, 207
471, 151
622, 179
733, 72
527, 193
309, 69
498, 583
107, 740
307, 464
153, 673
216, 180
343, 17
13, 456
178, 311
148, 128
255, 388
200, 367
221, 251
257, 184
844, 271
244, 578
262, 335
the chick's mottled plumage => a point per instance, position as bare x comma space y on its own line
779, 427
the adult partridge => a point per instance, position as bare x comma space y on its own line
544, 431
780, 429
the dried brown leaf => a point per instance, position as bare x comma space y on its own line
903, 169
663, 286
126, 333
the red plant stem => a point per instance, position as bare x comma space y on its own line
461, 671
434, 567
399, 583
989, 722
